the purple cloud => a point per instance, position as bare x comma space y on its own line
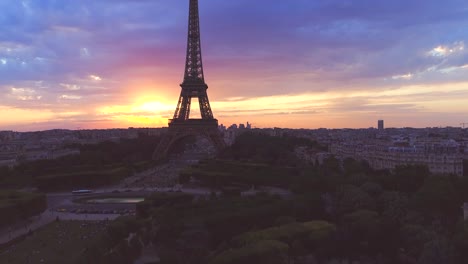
49, 49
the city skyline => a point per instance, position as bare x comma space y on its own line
336, 64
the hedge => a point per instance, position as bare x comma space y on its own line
265, 251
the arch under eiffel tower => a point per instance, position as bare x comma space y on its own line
193, 86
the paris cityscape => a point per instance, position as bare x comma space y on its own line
300, 132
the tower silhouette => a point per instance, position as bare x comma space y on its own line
193, 86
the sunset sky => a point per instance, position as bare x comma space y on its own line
296, 63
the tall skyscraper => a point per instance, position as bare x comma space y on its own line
380, 124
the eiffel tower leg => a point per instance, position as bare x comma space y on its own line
217, 140
161, 150
176, 133
205, 108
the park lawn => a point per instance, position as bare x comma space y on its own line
58, 242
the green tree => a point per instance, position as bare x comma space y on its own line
364, 226
394, 206
352, 166
413, 239
460, 241
264, 251
438, 198
349, 198
409, 178
372, 188
437, 251
331, 166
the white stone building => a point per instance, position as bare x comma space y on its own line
442, 158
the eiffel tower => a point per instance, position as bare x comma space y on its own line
193, 86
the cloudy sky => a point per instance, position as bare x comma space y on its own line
296, 63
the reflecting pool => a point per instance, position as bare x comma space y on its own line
121, 200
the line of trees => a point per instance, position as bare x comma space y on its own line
97, 164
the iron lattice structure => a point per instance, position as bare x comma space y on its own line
193, 86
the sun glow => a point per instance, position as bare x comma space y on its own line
139, 121
143, 112
152, 107
156, 107
14, 116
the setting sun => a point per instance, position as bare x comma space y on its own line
156, 107
146, 112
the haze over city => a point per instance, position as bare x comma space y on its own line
297, 64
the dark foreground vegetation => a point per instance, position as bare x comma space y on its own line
16, 206
96, 165
58, 242
336, 213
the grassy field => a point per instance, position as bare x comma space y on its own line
58, 242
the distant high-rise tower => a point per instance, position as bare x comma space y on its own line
380, 124
193, 86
